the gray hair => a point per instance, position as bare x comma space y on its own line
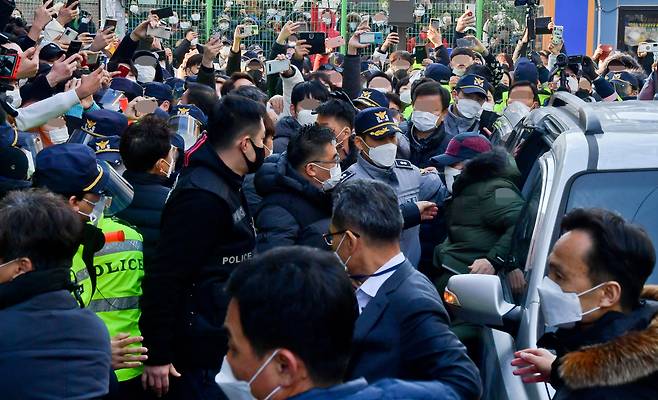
370, 208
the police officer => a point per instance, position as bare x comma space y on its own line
111, 280
206, 231
188, 121
376, 140
99, 124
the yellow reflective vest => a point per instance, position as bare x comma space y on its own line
119, 268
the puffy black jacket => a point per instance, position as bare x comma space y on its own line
292, 212
286, 128
145, 210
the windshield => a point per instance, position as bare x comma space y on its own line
633, 194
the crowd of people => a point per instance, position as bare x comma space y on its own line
178, 222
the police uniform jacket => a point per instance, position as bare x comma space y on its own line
405, 179
206, 231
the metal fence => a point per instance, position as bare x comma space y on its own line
502, 23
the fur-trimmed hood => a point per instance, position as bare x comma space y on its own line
632, 65
622, 360
497, 163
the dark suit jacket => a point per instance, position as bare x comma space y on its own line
404, 332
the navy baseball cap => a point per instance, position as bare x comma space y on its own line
177, 85
623, 77
104, 123
107, 148
439, 72
472, 84
98, 124
525, 70
8, 135
129, 88
159, 91
461, 148
376, 122
69, 168
372, 98
13, 164
191, 110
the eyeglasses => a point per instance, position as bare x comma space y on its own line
336, 160
329, 237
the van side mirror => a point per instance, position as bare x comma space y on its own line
479, 299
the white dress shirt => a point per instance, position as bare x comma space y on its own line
368, 290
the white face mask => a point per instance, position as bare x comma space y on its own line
353, 26
488, 107
561, 309
572, 83
304, 117
424, 121
145, 73
468, 108
326, 21
15, 96
97, 211
173, 20
384, 155
195, 17
224, 26
450, 174
335, 173
59, 135
336, 252
419, 12
134, 8
185, 25
194, 42
405, 96
459, 71
241, 390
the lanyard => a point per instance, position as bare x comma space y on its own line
363, 278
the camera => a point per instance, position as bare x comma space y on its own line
562, 60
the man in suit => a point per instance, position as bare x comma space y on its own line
403, 330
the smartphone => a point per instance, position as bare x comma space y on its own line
393, 28
276, 66
469, 8
163, 13
315, 39
249, 30
541, 25
161, 55
123, 71
575, 59
74, 48
468, 43
335, 42
558, 32
69, 2
436, 23
70, 34
110, 22
146, 106
9, 65
92, 58
647, 48
162, 32
420, 53
371, 38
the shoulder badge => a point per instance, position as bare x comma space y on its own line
346, 175
403, 164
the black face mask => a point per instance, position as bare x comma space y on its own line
252, 166
400, 74
498, 92
257, 75
582, 93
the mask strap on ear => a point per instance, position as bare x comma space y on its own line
262, 367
